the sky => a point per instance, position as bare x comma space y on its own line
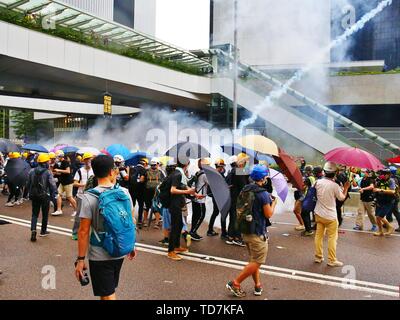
184, 23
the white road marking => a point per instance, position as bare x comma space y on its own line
321, 279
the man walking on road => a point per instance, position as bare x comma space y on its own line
42, 188
254, 208
366, 202
328, 191
104, 269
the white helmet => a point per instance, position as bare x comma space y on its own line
154, 161
119, 158
330, 167
233, 159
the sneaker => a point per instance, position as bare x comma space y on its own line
258, 291
239, 243
319, 260
229, 241
300, 228
33, 236
9, 204
181, 250
212, 233
374, 228
224, 237
18, 202
237, 292
335, 264
378, 234
164, 242
156, 226
44, 234
57, 213
173, 256
357, 228
196, 237
307, 233
73, 214
390, 230
75, 237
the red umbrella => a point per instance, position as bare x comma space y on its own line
394, 160
290, 169
354, 157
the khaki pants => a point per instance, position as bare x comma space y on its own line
331, 227
362, 208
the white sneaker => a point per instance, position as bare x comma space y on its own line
73, 214
319, 260
300, 228
19, 202
335, 264
57, 213
9, 204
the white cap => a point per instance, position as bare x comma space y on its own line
232, 159
119, 158
154, 161
330, 167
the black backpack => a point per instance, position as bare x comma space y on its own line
193, 180
38, 188
165, 192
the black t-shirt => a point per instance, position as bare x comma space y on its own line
177, 201
240, 178
65, 178
136, 173
366, 196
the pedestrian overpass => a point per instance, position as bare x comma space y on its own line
67, 70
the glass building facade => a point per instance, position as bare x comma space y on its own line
378, 40
124, 12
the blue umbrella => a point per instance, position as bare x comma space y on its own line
118, 149
35, 147
235, 149
70, 149
134, 158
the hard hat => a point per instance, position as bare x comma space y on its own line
119, 158
60, 153
205, 161
393, 170
242, 157
87, 155
219, 163
52, 155
330, 167
233, 159
259, 172
145, 161
78, 158
171, 163
43, 157
25, 154
154, 161
15, 155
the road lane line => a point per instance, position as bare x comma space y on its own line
236, 264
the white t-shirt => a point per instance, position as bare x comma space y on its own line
86, 174
327, 193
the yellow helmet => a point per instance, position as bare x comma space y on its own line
60, 153
87, 155
242, 157
145, 161
25, 154
15, 155
219, 163
52, 155
78, 158
43, 157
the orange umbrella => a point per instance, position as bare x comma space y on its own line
290, 169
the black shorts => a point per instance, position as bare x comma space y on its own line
105, 276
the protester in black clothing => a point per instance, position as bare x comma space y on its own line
341, 179
137, 183
237, 178
179, 191
41, 188
220, 166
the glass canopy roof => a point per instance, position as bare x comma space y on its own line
71, 17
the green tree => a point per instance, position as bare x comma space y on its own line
25, 127
4, 122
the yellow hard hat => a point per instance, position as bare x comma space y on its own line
87, 155
205, 161
60, 153
78, 158
52, 155
43, 157
25, 154
219, 162
145, 160
15, 155
242, 157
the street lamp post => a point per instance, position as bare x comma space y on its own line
235, 67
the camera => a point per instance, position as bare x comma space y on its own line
85, 280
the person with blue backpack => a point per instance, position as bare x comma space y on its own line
107, 231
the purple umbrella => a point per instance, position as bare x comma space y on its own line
58, 147
279, 183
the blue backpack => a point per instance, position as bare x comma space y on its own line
119, 235
310, 199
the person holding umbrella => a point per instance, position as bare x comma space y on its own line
328, 191
13, 187
42, 188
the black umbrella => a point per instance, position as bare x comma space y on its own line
219, 188
7, 146
17, 171
184, 151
